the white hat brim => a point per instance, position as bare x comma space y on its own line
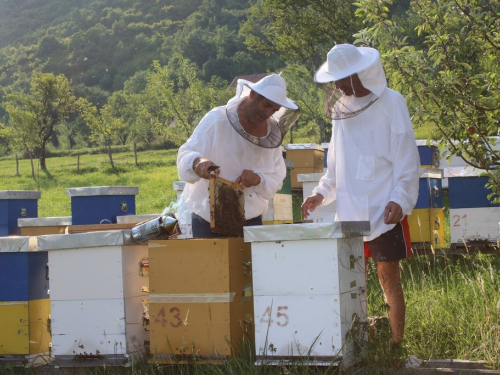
322, 75
288, 103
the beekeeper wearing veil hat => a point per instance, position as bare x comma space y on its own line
242, 139
372, 163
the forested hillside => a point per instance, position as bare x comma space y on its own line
102, 43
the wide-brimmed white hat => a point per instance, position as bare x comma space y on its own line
344, 60
272, 87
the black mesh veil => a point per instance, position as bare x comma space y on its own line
338, 106
278, 125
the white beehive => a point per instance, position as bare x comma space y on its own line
97, 290
309, 291
322, 214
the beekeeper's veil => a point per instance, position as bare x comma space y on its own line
345, 60
272, 87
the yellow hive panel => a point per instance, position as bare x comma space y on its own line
39, 325
14, 327
427, 227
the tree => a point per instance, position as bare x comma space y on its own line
446, 61
34, 116
181, 99
300, 31
105, 127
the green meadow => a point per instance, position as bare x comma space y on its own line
453, 302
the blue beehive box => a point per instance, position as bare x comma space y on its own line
101, 204
466, 188
16, 204
430, 192
23, 270
428, 153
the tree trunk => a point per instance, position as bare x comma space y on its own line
17, 166
111, 157
78, 162
43, 166
135, 154
32, 165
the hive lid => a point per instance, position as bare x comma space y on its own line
44, 221
85, 240
466, 171
102, 190
15, 244
431, 173
20, 194
310, 177
425, 142
306, 231
303, 146
135, 219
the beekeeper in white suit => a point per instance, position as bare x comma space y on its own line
242, 138
372, 162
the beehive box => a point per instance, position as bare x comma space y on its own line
43, 225
97, 289
307, 158
322, 214
200, 301
426, 221
428, 153
309, 291
15, 204
473, 217
279, 211
24, 300
101, 204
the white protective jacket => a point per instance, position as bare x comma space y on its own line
372, 159
215, 139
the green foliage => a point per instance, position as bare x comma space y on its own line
445, 59
299, 31
34, 116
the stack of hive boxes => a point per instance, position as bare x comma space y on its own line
309, 291
97, 291
200, 300
24, 300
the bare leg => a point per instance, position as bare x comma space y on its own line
390, 280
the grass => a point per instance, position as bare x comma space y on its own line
453, 303
154, 177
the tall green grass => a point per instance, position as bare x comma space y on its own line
453, 302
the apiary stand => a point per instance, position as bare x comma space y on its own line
309, 292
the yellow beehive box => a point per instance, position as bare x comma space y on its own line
200, 302
427, 228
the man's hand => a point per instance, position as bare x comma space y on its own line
248, 178
310, 204
393, 213
200, 167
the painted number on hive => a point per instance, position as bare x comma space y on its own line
458, 220
174, 317
281, 316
